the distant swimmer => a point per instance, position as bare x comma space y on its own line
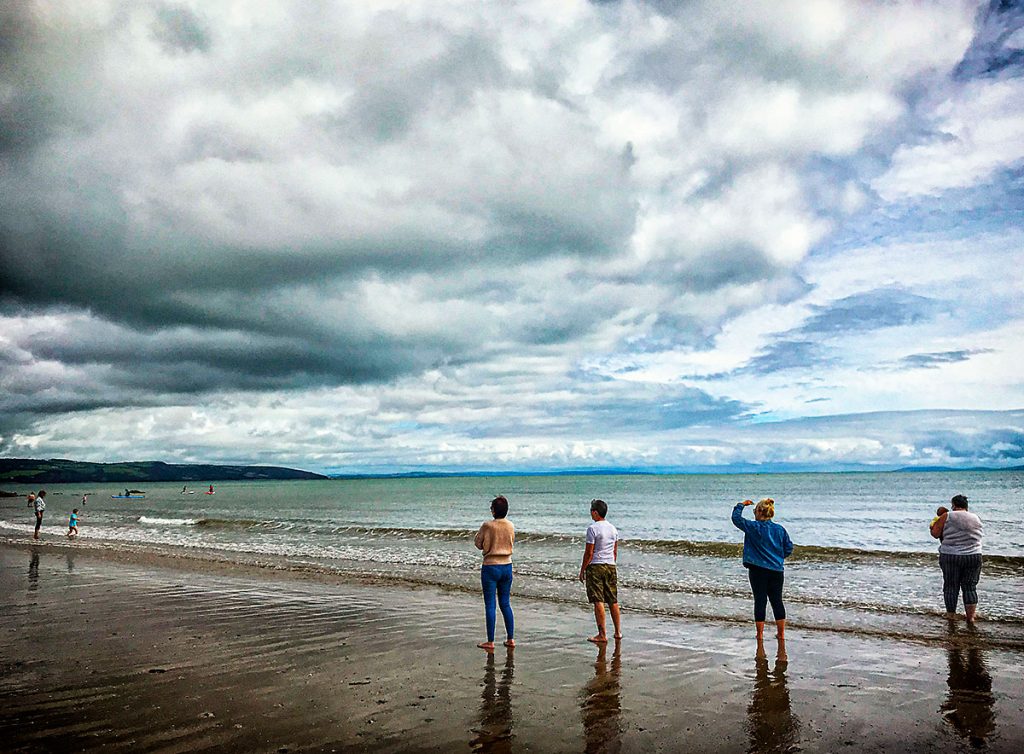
184, 489
85, 498
211, 490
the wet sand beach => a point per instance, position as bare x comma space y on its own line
144, 653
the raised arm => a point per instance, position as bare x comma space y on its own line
939, 525
737, 515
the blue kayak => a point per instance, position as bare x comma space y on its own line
127, 497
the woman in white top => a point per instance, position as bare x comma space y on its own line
960, 532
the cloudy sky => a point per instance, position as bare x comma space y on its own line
393, 235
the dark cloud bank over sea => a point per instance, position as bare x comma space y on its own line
631, 234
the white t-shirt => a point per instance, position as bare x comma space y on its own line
602, 535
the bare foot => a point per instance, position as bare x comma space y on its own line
488, 645
510, 643
617, 636
598, 639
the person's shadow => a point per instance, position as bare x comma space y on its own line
600, 703
33, 570
494, 729
772, 725
969, 707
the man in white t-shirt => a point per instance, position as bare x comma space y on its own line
598, 569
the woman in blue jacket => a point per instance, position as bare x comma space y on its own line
765, 546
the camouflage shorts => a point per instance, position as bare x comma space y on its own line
602, 583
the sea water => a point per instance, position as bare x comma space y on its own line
864, 559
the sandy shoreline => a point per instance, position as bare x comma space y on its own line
161, 655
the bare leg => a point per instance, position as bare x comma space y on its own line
601, 637
780, 629
760, 629
616, 621
970, 610
781, 655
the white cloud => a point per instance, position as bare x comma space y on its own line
487, 229
977, 131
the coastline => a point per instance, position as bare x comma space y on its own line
141, 651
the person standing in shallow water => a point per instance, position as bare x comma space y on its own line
40, 505
598, 570
496, 538
959, 532
766, 545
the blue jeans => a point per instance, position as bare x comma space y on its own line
497, 578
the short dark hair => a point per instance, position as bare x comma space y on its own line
600, 506
959, 501
499, 506
42, 492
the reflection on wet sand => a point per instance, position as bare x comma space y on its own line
494, 730
969, 705
602, 710
773, 726
33, 570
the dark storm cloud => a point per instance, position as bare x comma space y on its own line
83, 249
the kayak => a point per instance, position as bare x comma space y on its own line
209, 493
127, 497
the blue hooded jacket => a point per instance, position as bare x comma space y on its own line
765, 543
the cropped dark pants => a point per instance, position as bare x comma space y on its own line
766, 586
959, 573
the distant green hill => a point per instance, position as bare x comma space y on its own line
55, 470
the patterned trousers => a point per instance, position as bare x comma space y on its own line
959, 573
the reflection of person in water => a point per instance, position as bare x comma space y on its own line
969, 706
773, 726
494, 731
33, 571
602, 710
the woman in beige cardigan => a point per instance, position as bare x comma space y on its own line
495, 538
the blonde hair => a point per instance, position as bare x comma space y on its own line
765, 508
